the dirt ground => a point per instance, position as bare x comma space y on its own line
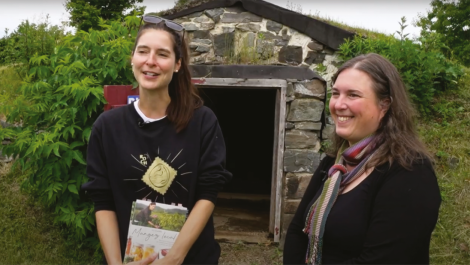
250, 254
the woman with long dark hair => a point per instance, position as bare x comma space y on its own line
374, 199
166, 147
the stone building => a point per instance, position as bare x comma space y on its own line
264, 70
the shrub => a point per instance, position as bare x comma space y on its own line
425, 71
58, 102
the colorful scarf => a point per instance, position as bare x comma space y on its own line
338, 178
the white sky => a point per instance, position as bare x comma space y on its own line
380, 15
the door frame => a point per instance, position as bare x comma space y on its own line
275, 213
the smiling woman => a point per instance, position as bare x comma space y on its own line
165, 147
380, 201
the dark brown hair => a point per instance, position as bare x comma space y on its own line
397, 138
184, 95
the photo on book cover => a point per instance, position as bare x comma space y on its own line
153, 228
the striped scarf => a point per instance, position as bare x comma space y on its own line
338, 178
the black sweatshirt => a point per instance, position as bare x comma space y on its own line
387, 219
121, 150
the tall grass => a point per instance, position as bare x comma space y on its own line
28, 234
447, 135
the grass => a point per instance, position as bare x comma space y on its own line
28, 235
447, 136
10, 81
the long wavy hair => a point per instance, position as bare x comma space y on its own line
396, 136
184, 95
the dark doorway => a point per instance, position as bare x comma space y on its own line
246, 117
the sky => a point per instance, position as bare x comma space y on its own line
379, 15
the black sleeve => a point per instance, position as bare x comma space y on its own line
212, 174
403, 217
98, 187
295, 247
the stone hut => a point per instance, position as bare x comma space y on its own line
264, 70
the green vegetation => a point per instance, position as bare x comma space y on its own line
424, 69
51, 85
169, 221
446, 135
29, 234
449, 20
86, 15
57, 103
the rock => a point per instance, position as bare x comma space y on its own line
329, 51
289, 99
207, 25
223, 44
296, 184
273, 26
214, 14
310, 88
201, 34
266, 35
290, 206
244, 17
301, 160
289, 125
296, 139
290, 89
250, 39
314, 57
330, 120
190, 26
203, 48
305, 110
286, 220
181, 20
306, 125
203, 41
281, 42
201, 59
453, 162
202, 19
235, 9
328, 132
193, 15
5, 124
291, 55
265, 49
248, 27
228, 29
313, 45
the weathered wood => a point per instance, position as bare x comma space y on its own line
272, 211
241, 83
280, 162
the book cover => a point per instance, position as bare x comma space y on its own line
153, 228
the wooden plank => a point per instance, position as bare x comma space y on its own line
272, 211
239, 83
280, 163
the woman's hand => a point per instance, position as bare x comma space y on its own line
168, 260
145, 261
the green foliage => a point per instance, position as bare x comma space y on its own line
170, 221
450, 20
424, 69
27, 40
59, 100
29, 235
86, 15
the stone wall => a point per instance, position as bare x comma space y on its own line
232, 35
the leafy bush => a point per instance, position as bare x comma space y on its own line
425, 70
58, 102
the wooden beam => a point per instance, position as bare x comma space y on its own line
239, 83
280, 162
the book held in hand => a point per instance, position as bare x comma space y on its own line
153, 228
